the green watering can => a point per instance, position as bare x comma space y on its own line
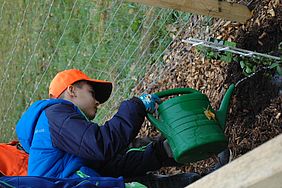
192, 128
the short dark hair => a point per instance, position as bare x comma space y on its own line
79, 84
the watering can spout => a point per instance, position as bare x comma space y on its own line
222, 112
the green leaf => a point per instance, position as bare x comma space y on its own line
248, 70
248, 64
279, 70
273, 65
280, 46
242, 64
226, 58
229, 57
231, 44
236, 59
135, 25
254, 68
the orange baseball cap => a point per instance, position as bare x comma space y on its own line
62, 80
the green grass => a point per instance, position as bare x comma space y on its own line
40, 38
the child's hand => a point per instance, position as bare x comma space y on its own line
150, 101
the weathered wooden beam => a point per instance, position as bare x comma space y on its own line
259, 168
214, 8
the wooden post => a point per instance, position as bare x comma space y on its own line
259, 168
214, 8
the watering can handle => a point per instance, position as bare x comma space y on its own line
176, 91
167, 93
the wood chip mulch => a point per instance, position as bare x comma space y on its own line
255, 114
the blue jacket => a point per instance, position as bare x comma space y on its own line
62, 143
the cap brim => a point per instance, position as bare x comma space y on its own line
103, 89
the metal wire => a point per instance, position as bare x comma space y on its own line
219, 47
19, 26
25, 69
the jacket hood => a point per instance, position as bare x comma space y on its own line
27, 123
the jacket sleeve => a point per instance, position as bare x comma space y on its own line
135, 162
72, 133
138, 161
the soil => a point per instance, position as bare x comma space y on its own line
263, 32
256, 107
255, 114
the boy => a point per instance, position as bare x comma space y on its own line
62, 142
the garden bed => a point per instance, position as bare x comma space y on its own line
255, 108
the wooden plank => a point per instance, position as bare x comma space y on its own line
259, 168
214, 8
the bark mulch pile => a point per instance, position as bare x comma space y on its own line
256, 106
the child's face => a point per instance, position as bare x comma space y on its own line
86, 101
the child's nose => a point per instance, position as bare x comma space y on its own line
97, 102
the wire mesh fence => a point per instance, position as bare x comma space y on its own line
112, 40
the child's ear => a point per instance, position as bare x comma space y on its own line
71, 90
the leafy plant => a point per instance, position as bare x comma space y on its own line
249, 65
215, 54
